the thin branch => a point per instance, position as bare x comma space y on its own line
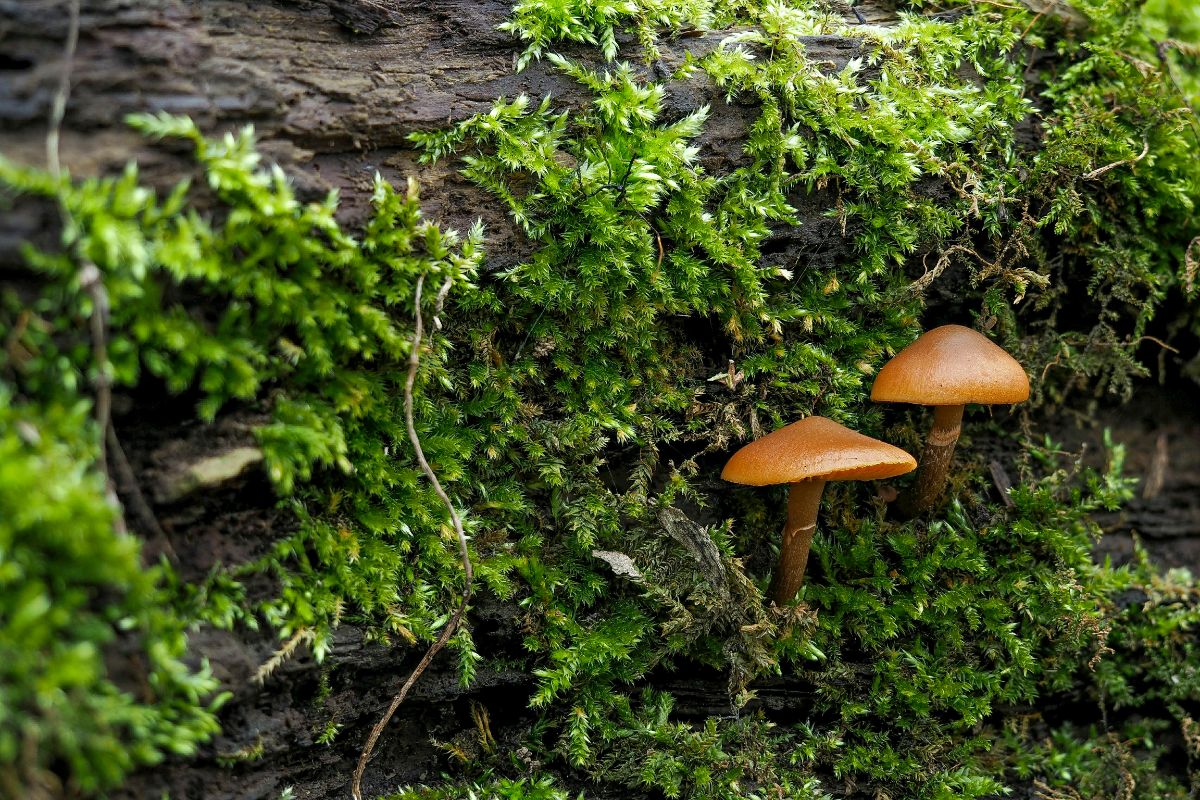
91, 280
58, 106
137, 501
1029, 27
456, 620
1096, 173
1157, 341
930, 275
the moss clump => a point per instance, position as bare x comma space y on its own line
541, 24
1114, 181
1145, 686
72, 588
542, 788
283, 301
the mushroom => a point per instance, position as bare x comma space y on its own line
946, 368
805, 455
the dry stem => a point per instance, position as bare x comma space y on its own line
1096, 173
91, 281
455, 621
58, 106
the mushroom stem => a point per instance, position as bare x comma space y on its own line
804, 497
935, 462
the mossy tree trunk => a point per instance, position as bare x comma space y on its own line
333, 88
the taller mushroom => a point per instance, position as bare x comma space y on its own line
804, 455
947, 368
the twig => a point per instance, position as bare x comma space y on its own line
91, 281
468, 573
1096, 173
1029, 27
1157, 341
137, 500
922, 283
58, 106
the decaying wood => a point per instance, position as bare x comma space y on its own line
330, 105
1159, 429
333, 87
207, 472
1001, 481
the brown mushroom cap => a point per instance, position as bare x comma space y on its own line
951, 366
815, 447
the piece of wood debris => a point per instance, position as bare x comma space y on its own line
207, 472
1002, 481
1156, 476
699, 544
621, 564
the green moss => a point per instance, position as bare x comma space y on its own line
1155, 666
496, 789
542, 23
1116, 181
282, 301
72, 588
1145, 685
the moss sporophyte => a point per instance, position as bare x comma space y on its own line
566, 405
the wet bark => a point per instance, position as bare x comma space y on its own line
332, 106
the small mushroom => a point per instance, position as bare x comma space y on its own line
946, 368
805, 455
